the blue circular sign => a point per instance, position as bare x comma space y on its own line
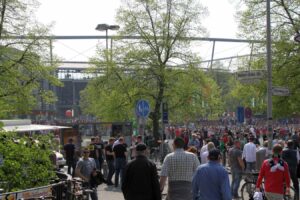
142, 108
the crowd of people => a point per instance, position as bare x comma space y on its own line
197, 168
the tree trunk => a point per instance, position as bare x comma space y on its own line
157, 112
155, 124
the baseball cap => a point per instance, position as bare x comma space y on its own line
141, 147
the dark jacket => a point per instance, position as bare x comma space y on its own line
290, 156
97, 180
140, 180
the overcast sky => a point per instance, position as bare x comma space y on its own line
77, 17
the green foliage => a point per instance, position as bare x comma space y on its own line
156, 67
26, 163
112, 97
22, 66
285, 52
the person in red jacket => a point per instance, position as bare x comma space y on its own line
275, 173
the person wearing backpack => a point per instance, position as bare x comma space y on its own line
275, 173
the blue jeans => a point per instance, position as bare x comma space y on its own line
235, 184
111, 170
250, 166
119, 167
97, 163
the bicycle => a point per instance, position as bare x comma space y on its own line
41, 198
154, 154
76, 190
249, 188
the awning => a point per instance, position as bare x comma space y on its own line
33, 127
26, 126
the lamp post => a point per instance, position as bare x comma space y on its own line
269, 67
106, 27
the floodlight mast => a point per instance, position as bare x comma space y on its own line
106, 27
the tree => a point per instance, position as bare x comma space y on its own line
22, 61
286, 57
158, 67
26, 162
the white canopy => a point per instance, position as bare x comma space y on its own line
26, 126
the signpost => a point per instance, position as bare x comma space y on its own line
250, 76
248, 113
240, 114
165, 115
280, 91
142, 110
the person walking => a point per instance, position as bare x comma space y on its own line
275, 173
140, 177
139, 140
179, 168
237, 166
204, 155
211, 180
120, 155
262, 154
94, 153
69, 151
249, 154
99, 144
85, 168
109, 154
289, 155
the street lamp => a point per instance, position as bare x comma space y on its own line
269, 81
297, 37
106, 27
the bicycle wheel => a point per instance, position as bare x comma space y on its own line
247, 190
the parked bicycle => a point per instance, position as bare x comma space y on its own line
76, 190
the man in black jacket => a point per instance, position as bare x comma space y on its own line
289, 155
140, 179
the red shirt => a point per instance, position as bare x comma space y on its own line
274, 181
225, 139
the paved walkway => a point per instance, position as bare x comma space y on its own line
111, 193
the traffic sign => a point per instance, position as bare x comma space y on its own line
280, 91
248, 113
142, 108
240, 114
250, 76
165, 114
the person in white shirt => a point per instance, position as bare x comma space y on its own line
204, 155
252, 131
249, 154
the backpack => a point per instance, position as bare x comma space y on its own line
98, 179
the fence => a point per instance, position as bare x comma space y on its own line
56, 190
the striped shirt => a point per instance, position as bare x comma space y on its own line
180, 166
